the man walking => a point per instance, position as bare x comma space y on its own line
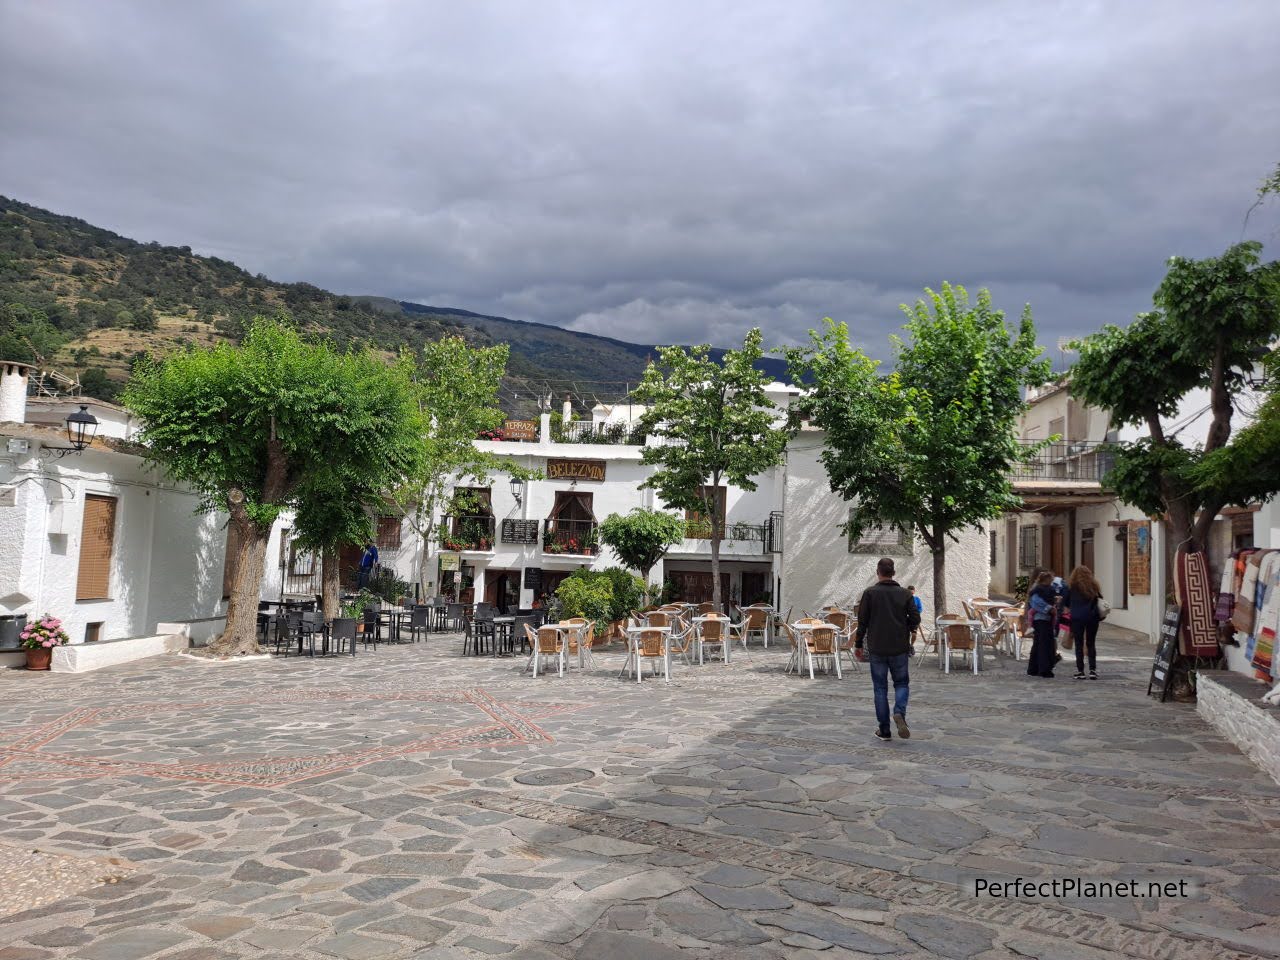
886, 617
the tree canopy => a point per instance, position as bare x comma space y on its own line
1215, 320
928, 448
714, 424
641, 538
251, 426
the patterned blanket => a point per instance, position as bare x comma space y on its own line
1195, 593
1267, 622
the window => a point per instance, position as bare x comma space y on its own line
97, 540
1029, 547
93, 632
994, 548
697, 523
388, 533
882, 540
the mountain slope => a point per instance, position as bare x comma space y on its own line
86, 301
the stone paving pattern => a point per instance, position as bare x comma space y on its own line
412, 803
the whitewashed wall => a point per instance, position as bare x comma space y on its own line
817, 566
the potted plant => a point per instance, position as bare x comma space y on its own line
39, 639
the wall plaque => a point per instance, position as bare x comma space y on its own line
575, 469
533, 579
520, 430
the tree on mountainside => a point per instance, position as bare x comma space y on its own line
250, 426
715, 425
927, 449
1215, 320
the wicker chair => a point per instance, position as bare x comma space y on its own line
822, 643
714, 632
548, 642
649, 645
757, 622
846, 626
956, 635
583, 635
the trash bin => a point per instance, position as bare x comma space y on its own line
11, 624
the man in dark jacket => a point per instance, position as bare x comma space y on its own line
886, 616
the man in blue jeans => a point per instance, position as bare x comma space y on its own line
886, 616
368, 562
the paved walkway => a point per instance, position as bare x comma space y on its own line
415, 804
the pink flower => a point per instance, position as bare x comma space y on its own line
49, 643
26, 634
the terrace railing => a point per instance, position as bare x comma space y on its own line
584, 431
467, 533
1082, 460
576, 537
734, 532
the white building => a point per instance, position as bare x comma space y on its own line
1070, 520
98, 538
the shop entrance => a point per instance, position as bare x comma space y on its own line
502, 590
755, 587
694, 586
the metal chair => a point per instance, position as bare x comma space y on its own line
820, 644
342, 631
372, 628
714, 633
419, 621
548, 642
649, 645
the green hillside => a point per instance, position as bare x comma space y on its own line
87, 302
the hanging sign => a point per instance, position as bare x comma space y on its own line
1166, 652
575, 469
449, 561
520, 430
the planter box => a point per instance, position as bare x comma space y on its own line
84, 657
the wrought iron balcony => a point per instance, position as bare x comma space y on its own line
1081, 460
577, 537
584, 431
467, 533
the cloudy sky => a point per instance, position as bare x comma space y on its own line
659, 171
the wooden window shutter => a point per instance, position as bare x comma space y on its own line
97, 538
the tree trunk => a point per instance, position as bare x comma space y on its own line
716, 533
940, 579
241, 636
644, 575
330, 581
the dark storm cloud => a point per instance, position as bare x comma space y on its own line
658, 171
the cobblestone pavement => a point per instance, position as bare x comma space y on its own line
412, 803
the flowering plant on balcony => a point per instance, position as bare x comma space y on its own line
45, 632
495, 434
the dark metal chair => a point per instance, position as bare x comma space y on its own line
342, 632
312, 625
419, 622
372, 629
455, 616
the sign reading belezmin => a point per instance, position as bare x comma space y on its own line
575, 469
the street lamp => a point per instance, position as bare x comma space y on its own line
81, 426
517, 489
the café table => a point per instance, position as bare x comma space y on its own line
944, 641
633, 657
502, 633
800, 630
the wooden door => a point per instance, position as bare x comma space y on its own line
1086, 550
694, 586
1058, 550
754, 587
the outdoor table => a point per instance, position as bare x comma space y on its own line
502, 633
944, 644
801, 629
634, 657
581, 629
394, 618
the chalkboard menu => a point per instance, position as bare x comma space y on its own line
1166, 652
519, 531
533, 579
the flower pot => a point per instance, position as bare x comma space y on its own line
39, 658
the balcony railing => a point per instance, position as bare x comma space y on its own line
734, 532
584, 431
1081, 460
576, 537
467, 533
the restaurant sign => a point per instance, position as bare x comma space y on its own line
575, 469
449, 561
520, 430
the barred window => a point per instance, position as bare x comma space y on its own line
1028, 547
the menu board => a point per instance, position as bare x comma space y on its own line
519, 531
1166, 652
533, 579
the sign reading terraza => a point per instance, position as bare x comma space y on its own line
520, 430
575, 469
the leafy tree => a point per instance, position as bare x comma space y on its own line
714, 424
926, 449
641, 538
94, 382
456, 390
335, 505
1215, 319
249, 426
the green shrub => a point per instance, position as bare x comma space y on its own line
586, 594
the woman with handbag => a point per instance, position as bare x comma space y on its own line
1083, 598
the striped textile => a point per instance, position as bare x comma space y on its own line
1246, 597
1267, 624
1195, 592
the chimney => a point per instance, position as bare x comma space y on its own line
13, 391
568, 408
